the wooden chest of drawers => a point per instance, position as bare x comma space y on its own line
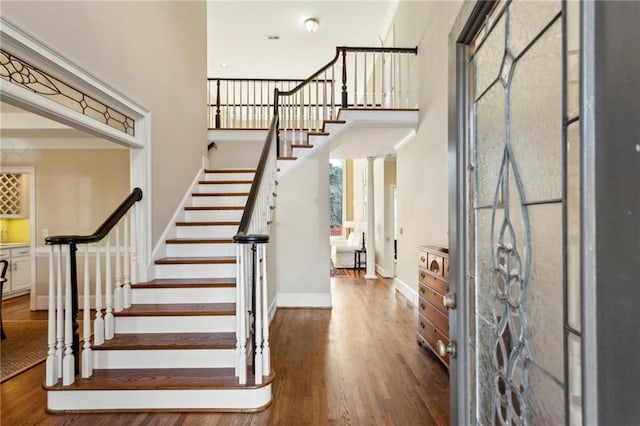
433, 317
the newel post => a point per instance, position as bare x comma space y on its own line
276, 94
344, 78
75, 346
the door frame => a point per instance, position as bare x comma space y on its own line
610, 165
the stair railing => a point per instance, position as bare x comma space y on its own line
252, 310
63, 359
243, 103
371, 78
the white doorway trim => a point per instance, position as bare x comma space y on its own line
23, 45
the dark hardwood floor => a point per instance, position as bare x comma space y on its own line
355, 364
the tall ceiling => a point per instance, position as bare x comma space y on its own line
238, 35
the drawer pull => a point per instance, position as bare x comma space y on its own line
422, 275
422, 290
444, 349
449, 300
422, 325
422, 306
422, 259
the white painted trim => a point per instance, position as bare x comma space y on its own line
170, 230
404, 140
409, 293
273, 308
18, 42
304, 300
383, 272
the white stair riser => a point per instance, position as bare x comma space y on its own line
229, 176
206, 250
218, 231
176, 324
224, 187
219, 201
212, 215
176, 399
223, 270
164, 358
183, 295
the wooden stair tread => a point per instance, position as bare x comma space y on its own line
194, 260
230, 171
187, 283
199, 241
208, 223
287, 158
214, 208
224, 182
304, 145
318, 134
334, 121
178, 309
220, 194
169, 341
162, 378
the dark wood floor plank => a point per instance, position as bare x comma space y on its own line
178, 309
170, 341
194, 260
356, 364
187, 282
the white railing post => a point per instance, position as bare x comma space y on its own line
68, 362
108, 291
126, 284
134, 247
266, 350
118, 300
59, 314
52, 362
257, 315
87, 356
98, 323
242, 331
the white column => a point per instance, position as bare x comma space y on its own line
371, 223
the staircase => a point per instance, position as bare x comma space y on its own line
175, 347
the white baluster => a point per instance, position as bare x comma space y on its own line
98, 323
242, 330
118, 300
333, 92
355, 79
325, 111
258, 317
59, 315
52, 362
392, 80
317, 109
108, 291
266, 350
87, 356
408, 78
364, 80
126, 284
238, 308
373, 85
382, 81
134, 244
399, 79
68, 362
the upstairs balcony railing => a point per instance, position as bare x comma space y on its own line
357, 77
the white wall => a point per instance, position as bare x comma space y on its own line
153, 52
422, 186
302, 227
235, 154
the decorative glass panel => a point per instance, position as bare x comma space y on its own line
544, 291
488, 59
518, 159
490, 139
573, 58
526, 20
536, 117
23, 74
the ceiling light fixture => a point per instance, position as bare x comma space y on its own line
311, 24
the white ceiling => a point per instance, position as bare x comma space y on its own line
238, 35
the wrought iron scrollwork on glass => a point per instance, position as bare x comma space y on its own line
25, 75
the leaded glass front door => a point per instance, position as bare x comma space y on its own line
521, 212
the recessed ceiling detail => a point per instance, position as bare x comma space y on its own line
21, 73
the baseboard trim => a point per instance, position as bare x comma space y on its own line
409, 293
273, 308
383, 272
304, 300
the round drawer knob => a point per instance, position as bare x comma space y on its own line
444, 349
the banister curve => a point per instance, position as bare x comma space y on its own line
103, 230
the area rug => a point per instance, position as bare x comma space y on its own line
24, 347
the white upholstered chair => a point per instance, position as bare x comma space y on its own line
342, 250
